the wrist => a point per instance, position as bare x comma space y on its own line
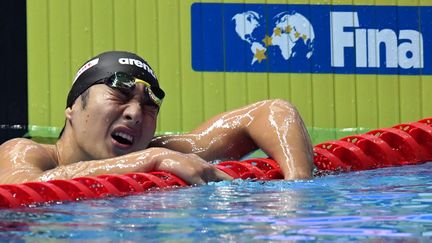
157, 155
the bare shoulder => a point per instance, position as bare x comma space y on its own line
17, 143
272, 104
21, 151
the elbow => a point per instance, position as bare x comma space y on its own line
282, 106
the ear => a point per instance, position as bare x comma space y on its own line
69, 113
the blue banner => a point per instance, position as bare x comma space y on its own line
230, 37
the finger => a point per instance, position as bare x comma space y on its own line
195, 180
191, 176
215, 174
223, 176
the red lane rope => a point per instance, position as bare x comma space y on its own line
407, 143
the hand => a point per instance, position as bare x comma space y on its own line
191, 168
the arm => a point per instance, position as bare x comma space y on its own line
274, 126
23, 160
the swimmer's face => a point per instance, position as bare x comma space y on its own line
113, 123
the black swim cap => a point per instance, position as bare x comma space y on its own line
106, 64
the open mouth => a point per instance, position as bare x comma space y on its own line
123, 138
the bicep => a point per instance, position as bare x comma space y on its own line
222, 137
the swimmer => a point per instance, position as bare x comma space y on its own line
110, 122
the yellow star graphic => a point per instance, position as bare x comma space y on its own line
297, 35
260, 54
267, 40
304, 37
277, 31
288, 29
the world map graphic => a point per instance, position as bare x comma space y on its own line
288, 30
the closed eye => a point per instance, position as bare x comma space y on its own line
118, 95
150, 111
151, 107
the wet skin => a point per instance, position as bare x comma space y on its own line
114, 134
274, 126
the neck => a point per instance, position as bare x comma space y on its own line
68, 152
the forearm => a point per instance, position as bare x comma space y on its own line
189, 167
141, 161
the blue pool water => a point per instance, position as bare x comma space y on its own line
391, 204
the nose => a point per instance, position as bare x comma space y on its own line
133, 113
